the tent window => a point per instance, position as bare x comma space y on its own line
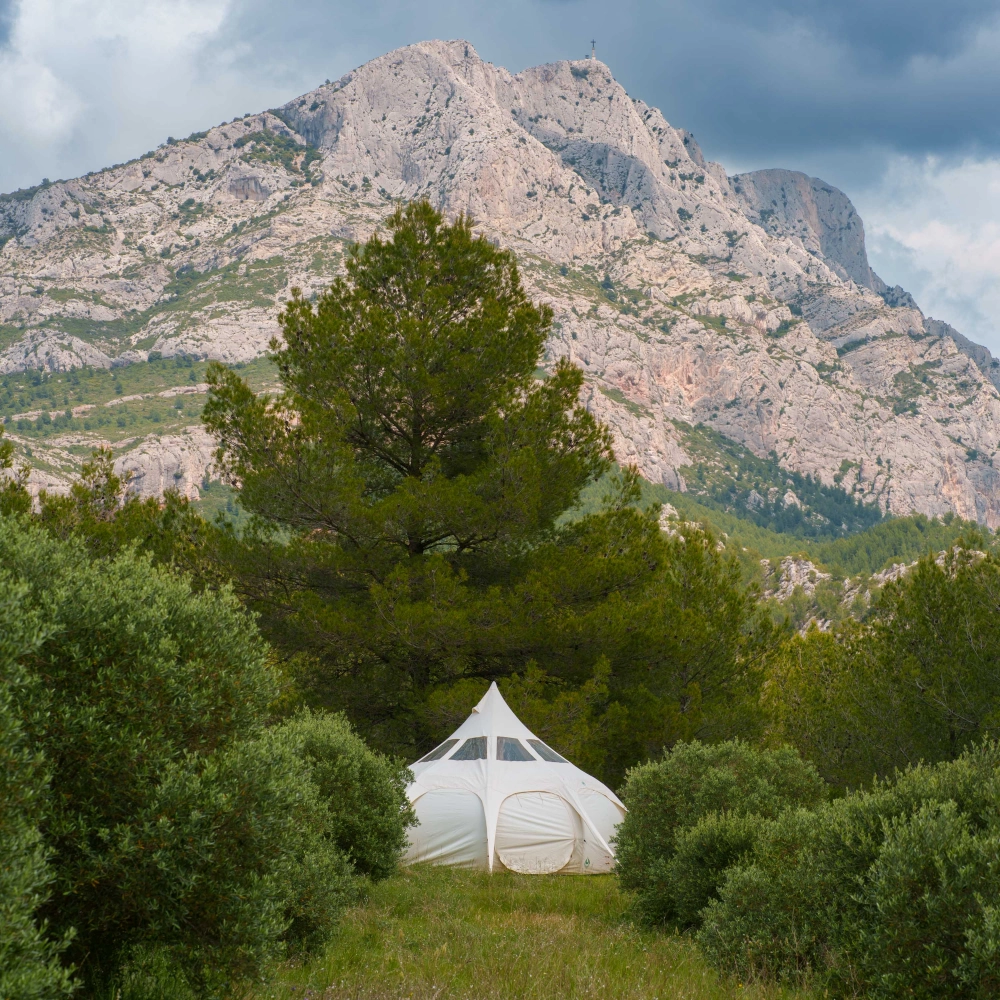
473, 748
546, 753
510, 749
439, 752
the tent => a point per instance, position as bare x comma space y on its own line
494, 796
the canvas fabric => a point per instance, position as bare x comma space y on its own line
534, 816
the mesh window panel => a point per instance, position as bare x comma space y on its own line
510, 749
438, 753
546, 753
473, 748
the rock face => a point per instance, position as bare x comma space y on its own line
796, 207
745, 303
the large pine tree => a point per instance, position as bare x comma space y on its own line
413, 486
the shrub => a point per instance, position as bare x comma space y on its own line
174, 820
702, 854
667, 797
29, 959
917, 680
926, 892
884, 893
364, 791
226, 867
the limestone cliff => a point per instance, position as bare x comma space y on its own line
745, 303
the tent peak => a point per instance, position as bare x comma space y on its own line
493, 717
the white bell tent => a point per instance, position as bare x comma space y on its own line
494, 796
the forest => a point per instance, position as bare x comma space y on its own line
205, 722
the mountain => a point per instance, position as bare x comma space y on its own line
742, 305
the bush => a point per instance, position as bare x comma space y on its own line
667, 797
29, 959
926, 891
364, 791
702, 854
174, 820
227, 867
885, 893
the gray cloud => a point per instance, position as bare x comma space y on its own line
6, 14
755, 81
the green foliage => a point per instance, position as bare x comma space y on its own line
895, 539
932, 875
727, 476
365, 792
717, 323
912, 383
102, 513
783, 327
884, 893
683, 886
172, 819
267, 146
14, 495
29, 956
916, 681
398, 379
409, 478
689, 661
676, 654
410, 488
581, 720
898, 539
661, 858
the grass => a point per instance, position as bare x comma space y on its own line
449, 934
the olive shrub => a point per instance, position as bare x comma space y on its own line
158, 812
693, 813
889, 892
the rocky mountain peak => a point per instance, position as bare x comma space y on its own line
745, 306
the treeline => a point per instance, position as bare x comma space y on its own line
206, 726
895, 539
727, 476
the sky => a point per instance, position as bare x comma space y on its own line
897, 102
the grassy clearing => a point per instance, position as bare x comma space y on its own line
448, 934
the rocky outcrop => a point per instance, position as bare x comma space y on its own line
809, 211
745, 303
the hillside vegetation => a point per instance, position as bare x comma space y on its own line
862, 551
206, 723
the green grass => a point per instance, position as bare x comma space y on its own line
448, 934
